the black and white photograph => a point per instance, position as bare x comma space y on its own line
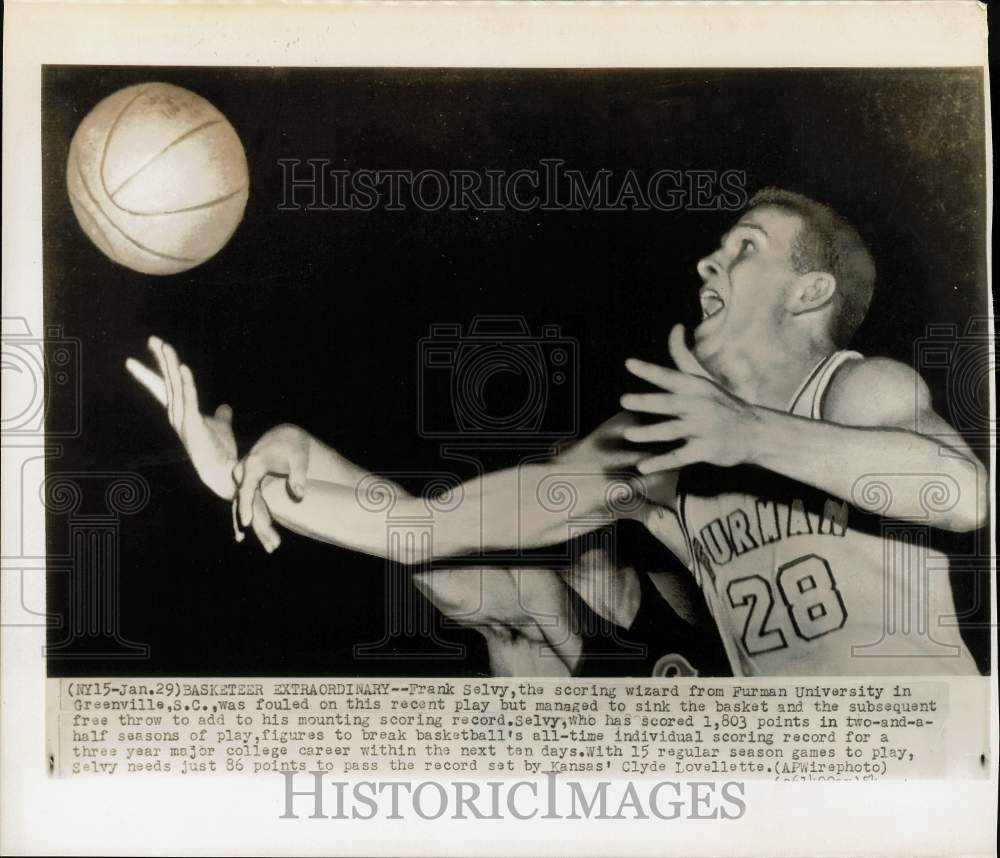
498, 429
521, 372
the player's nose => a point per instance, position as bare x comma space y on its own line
709, 268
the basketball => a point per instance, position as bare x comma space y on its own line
157, 178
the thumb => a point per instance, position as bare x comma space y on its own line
224, 413
683, 356
298, 466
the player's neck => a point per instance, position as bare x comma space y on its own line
769, 376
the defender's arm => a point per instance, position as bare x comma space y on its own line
331, 499
519, 508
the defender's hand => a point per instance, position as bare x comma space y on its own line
280, 452
606, 447
714, 426
209, 441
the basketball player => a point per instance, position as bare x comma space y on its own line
794, 459
800, 463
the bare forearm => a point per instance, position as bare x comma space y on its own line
328, 512
519, 508
327, 465
532, 506
915, 470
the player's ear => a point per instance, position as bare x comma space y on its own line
812, 291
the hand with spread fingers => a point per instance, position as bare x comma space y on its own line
280, 452
714, 426
208, 440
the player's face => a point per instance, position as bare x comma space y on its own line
745, 282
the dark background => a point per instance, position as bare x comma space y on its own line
314, 317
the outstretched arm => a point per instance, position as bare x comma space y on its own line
591, 470
321, 494
518, 508
333, 500
878, 426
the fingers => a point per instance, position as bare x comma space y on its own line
156, 347
653, 403
174, 386
670, 430
672, 461
683, 356
148, 379
661, 376
237, 530
298, 465
189, 392
263, 525
253, 471
166, 358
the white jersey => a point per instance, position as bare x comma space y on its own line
801, 583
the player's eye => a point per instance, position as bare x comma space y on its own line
747, 246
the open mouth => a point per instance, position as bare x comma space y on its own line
711, 303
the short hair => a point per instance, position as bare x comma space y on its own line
827, 242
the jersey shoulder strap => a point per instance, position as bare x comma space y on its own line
808, 400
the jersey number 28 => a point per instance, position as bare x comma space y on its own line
810, 596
